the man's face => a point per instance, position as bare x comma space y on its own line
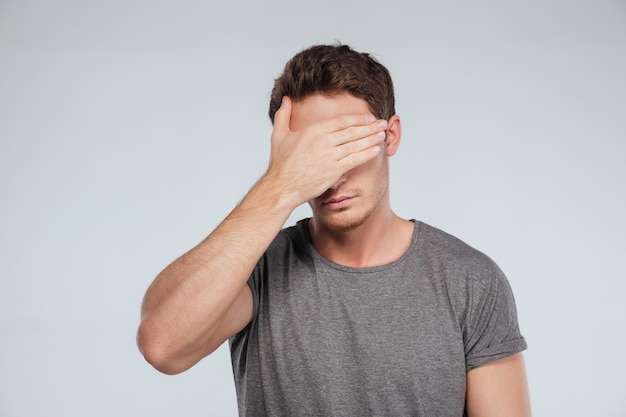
358, 194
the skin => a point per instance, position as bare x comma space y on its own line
352, 222
331, 152
499, 388
201, 299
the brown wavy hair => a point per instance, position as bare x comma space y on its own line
334, 69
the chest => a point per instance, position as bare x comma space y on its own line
391, 336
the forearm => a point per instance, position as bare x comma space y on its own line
184, 307
201, 299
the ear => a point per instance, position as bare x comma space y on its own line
394, 133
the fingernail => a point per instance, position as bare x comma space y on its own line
376, 149
369, 118
381, 124
381, 134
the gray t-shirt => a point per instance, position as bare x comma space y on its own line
390, 340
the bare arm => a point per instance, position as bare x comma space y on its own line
201, 299
498, 389
184, 309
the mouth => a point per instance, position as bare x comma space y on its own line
337, 202
336, 199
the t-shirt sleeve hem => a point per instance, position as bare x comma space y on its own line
494, 353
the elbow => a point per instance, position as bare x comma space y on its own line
154, 348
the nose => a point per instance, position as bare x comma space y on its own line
340, 181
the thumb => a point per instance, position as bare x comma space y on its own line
282, 118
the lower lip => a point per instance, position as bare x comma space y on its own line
335, 205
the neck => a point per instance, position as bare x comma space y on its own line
381, 239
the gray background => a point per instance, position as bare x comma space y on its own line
129, 129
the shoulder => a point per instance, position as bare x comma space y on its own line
436, 246
466, 273
479, 293
290, 241
291, 235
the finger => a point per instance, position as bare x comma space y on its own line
282, 118
357, 132
359, 145
343, 122
355, 159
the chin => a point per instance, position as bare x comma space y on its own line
343, 222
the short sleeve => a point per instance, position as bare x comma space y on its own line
254, 283
491, 331
239, 341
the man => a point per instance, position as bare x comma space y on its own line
355, 311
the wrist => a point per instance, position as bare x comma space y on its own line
275, 196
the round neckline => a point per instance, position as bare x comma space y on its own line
303, 228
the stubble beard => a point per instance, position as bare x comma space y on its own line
344, 222
349, 219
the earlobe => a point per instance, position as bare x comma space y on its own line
394, 133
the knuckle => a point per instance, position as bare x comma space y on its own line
350, 148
